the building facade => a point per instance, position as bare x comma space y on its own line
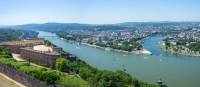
39, 57
34, 51
16, 45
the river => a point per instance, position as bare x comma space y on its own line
175, 70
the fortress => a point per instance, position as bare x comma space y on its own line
35, 51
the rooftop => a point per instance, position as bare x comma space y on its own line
43, 48
24, 42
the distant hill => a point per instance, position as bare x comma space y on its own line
66, 26
155, 24
53, 26
125, 25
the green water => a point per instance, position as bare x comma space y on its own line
175, 70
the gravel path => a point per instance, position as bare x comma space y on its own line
5, 82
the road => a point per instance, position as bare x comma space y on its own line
5, 82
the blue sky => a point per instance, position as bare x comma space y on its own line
97, 11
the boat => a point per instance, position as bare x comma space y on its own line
62, 38
160, 81
77, 47
125, 55
108, 49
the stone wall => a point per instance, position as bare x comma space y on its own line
16, 45
39, 57
22, 78
14, 48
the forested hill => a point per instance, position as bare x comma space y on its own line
12, 34
9, 34
118, 26
67, 26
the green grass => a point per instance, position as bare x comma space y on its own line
43, 74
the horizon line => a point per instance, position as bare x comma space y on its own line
98, 23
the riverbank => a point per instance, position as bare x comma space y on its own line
175, 50
146, 68
139, 52
124, 77
142, 51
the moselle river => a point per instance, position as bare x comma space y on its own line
174, 70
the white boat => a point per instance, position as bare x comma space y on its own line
62, 38
77, 47
108, 49
125, 55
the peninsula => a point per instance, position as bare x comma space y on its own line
183, 42
126, 41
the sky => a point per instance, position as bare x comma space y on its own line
14, 12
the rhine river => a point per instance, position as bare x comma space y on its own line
174, 70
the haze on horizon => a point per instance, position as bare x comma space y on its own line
14, 12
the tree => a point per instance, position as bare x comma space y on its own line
137, 83
167, 44
7, 52
86, 73
125, 78
62, 65
48, 43
194, 46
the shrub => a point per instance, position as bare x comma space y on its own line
72, 81
62, 64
